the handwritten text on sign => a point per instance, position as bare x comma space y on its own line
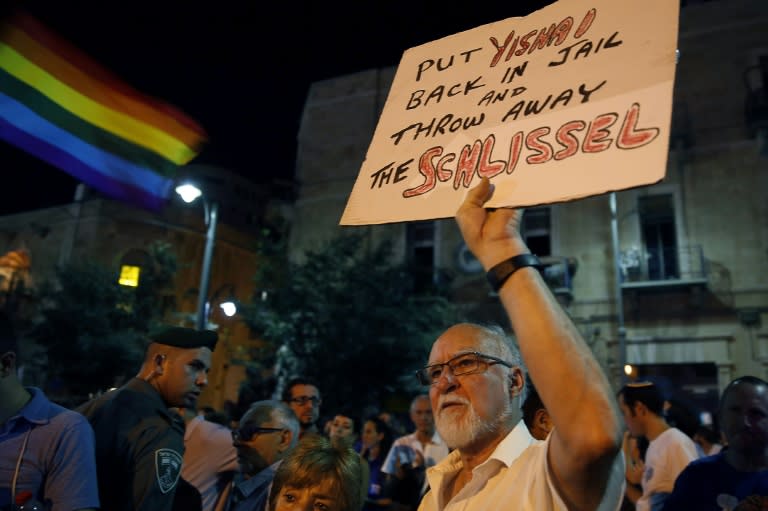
571, 101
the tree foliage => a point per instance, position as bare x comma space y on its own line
349, 318
92, 328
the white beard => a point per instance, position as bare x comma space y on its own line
459, 428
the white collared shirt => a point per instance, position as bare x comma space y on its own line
515, 476
433, 452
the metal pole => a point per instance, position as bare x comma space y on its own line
212, 213
621, 332
69, 240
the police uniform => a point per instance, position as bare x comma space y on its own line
139, 441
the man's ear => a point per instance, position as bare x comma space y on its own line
542, 419
286, 436
516, 382
159, 364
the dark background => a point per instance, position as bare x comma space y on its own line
240, 68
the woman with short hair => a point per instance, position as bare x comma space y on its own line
317, 475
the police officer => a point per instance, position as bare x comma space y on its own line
139, 441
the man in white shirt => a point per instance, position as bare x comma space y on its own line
476, 385
669, 449
411, 454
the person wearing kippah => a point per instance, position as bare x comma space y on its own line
669, 449
139, 440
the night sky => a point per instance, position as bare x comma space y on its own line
241, 68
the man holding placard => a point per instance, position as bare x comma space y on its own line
476, 384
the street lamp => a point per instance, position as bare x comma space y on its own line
189, 192
223, 298
228, 308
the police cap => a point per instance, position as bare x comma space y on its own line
187, 338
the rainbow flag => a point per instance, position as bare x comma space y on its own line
62, 107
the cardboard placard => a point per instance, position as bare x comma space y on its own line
571, 101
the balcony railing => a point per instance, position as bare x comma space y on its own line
663, 266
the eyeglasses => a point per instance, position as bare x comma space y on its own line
464, 363
247, 432
302, 400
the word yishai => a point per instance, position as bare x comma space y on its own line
557, 33
538, 146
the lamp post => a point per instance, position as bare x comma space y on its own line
189, 193
621, 330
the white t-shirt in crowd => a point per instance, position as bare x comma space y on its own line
667, 455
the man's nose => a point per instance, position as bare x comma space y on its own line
202, 379
447, 380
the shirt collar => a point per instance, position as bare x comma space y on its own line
154, 398
37, 410
249, 486
435, 438
513, 445
508, 450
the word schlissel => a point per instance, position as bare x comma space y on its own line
570, 138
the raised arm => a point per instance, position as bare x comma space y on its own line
586, 439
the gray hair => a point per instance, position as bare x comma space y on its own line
497, 342
271, 409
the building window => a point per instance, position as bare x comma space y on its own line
537, 230
130, 266
129, 275
659, 234
421, 251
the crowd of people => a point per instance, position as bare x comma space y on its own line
530, 424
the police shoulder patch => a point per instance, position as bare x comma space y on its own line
167, 468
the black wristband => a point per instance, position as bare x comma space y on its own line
501, 272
